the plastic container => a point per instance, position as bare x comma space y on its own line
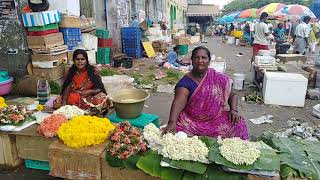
34, 164
131, 43
133, 52
4, 76
238, 81
89, 42
231, 40
92, 57
139, 122
72, 37
104, 43
44, 28
237, 42
103, 56
102, 34
183, 49
318, 80
43, 33
6, 87
284, 89
316, 111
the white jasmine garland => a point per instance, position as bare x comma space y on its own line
174, 147
238, 151
70, 111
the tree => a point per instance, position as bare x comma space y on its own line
239, 5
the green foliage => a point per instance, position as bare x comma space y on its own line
239, 5
128, 163
144, 79
55, 87
195, 167
108, 72
172, 77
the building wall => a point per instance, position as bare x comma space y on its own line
14, 54
176, 11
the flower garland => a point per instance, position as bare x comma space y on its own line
176, 147
83, 131
51, 124
3, 103
126, 141
70, 111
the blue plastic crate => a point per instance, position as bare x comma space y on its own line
131, 30
72, 40
133, 52
71, 31
34, 164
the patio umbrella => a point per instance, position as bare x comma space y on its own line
249, 13
294, 11
271, 8
231, 17
315, 8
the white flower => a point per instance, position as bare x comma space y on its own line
238, 151
176, 147
70, 111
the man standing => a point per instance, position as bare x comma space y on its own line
301, 42
261, 32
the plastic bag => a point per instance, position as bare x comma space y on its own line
38, 5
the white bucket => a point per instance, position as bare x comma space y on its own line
237, 42
231, 40
238, 81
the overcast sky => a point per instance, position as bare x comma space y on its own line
217, 2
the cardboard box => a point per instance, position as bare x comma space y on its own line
181, 41
111, 173
44, 42
41, 18
8, 152
52, 74
286, 58
33, 147
72, 163
70, 22
49, 57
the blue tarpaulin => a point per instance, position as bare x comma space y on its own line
315, 8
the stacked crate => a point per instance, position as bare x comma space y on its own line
46, 43
131, 42
104, 46
183, 44
70, 27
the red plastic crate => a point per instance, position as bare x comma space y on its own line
104, 43
43, 33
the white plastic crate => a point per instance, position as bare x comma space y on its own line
265, 61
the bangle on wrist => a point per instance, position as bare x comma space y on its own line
234, 110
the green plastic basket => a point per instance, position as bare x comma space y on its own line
139, 122
103, 55
102, 34
183, 49
44, 28
34, 164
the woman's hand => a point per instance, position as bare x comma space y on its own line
86, 93
170, 128
234, 116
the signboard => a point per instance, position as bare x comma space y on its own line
149, 49
7, 9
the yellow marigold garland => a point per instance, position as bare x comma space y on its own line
83, 131
3, 103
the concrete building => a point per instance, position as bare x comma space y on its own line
176, 11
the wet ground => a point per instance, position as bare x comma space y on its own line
160, 104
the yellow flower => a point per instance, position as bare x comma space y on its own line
3, 105
2, 100
82, 131
40, 107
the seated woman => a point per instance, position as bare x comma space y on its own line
204, 104
83, 86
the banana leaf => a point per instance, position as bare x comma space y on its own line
296, 154
268, 161
195, 167
171, 174
214, 172
128, 163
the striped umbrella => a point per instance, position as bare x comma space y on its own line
271, 8
249, 13
294, 11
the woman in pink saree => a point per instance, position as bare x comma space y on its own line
204, 104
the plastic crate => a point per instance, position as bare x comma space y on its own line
34, 164
133, 52
104, 43
131, 43
43, 33
71, 31
44, 28
103, 55
131, 33
102, 34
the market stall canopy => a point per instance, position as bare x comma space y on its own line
294, 11
249, 13
315, 8
202, 10
270, 8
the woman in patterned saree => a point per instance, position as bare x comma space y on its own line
83, 86
204, 104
